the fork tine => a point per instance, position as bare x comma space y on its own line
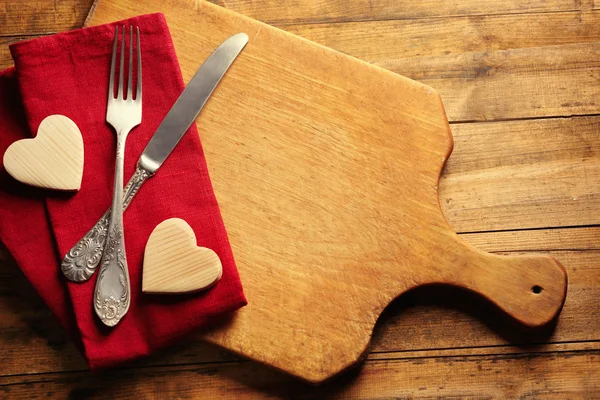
130, 77
122, 64
111, 88
138, 94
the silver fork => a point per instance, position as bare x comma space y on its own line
112, 292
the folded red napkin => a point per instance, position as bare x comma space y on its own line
68, 74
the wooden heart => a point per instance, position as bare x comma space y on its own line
51, 160
174, 264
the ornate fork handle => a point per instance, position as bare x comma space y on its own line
80, 263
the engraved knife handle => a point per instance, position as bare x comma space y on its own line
80, 263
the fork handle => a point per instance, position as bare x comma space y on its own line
112, 294
80, 263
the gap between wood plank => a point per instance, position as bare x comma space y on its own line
380, 355
532, 229
475, 121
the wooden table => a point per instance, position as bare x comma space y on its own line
521, 85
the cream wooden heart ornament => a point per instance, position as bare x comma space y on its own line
174, 264
51, 160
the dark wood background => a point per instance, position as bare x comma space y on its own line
521, 84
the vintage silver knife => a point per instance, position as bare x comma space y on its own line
81, 261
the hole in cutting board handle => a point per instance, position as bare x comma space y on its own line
537, 289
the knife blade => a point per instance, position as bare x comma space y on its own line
80, 263
188, 105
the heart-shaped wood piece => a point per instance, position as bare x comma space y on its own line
174, 264
51, 160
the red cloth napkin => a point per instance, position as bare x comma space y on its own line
68, 74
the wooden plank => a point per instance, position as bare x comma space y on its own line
382, 41
507, 84
34, 17
48, 16
20, 17
523, 174
485, 68
415, 324
571, 375
5, 57
287, 12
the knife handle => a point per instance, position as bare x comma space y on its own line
80, 263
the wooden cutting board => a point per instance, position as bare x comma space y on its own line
326, 170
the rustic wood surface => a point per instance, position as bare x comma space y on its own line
519, 81
336, 212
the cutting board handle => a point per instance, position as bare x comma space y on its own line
529, 288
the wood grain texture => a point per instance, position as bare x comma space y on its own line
32, 343
341, 257
53, 159
568, 375
381, 41
470, 60
174, 264
286, 12
523, 174
35, 17
5, 58
473, 86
